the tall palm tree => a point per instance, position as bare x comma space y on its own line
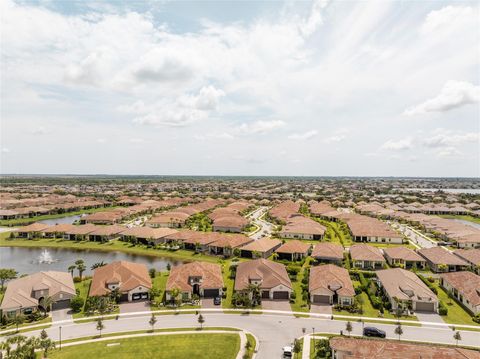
81, 268
254, 290
46, 303
71, 269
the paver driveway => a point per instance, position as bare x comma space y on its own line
276, 304
133, 307
321, 308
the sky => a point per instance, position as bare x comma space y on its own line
322, 88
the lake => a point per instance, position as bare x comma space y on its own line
27, 260
63, 220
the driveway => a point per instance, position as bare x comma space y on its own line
429, 317
208, 303
61, 314
276, 304
321, 308
133, 307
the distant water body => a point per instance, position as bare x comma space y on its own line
446, 190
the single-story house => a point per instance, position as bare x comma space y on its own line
106, 233
200, 278
107, 217
32, 230
271, 278
146, 234
194, 240
300, 227
471, 256
293, 250
58, 230
130, 279
227, 243
366, 257
79, 233
233, 223
349, 348
328, 253
24, 295
465, 286
263, 247
367, 229
402, 286
330, 284
471, 240
441, 260
168, 220
404, 257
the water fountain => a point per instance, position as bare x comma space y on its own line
46, 258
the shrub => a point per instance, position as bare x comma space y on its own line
77, 279
293, 295
476, 318
442, 309
76, 303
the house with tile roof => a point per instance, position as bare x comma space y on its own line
325, 252
441, 260
465, 287
263, 247
293, 250
200, 278
404, 257
130, 279
366, 257
330, 284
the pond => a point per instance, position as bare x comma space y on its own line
63, 220
31, 260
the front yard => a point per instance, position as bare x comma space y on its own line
175, 346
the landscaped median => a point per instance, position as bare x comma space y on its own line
164, 343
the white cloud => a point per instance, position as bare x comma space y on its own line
447, 17
335, 138
454, 94
5, 150
101, 140
309, 25
449, 152
303, 136
400, 145
136, 140
445, 138
258, 127
40, 130
220, 136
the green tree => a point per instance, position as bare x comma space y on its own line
399, 330
201, 320
297, 347
254, 291
46, 304
100, 326
175, 296
322, 349
19, 320
152, 321
71, 269
348, 327
457, 336
7, 274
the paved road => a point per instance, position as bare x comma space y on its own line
266, 228
415, 238
272, 330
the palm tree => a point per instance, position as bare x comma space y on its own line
97, 265
254, 290
174, 294
46, 344
71, 269
81, 268
46, 303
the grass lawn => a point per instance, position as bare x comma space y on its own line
229, 283
160, 282
389, 245
299, 305
251, 348
175, 346
465, 218
456, 313
300, 353
83, 288
25, 221
114, 245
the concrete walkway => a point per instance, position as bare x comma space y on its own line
307, 341
240, 354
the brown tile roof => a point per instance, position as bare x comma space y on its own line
404, 285
469, 255
192, 237
262, 245
82, 229
328, 251
148, 232
231, 240
59, 228
370, 227
439, 255
330, 279
403, 253
34, 227
211, 276
19, 291
467, 283
235, 221
294, 247
364, 252
168, 217
270, 273
130, 275
355, 348
108, 230
303, 225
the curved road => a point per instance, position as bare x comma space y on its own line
272, 330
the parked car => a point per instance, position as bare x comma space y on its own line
287, 352
217, 300
374, 332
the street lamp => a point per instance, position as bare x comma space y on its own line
60, 337
313, 337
